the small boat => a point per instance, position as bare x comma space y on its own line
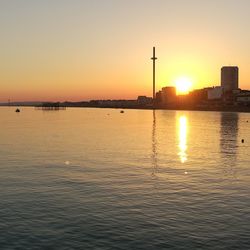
17, 110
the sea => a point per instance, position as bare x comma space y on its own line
86, 178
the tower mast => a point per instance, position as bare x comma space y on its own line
154, 58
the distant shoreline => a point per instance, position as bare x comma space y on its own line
238, 109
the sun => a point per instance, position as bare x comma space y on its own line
183, 85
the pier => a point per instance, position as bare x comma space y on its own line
50, 106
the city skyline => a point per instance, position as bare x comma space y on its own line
57, 51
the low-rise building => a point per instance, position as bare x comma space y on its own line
168, 95
144, 100
158, 97
215, 93
198, 96
243, 98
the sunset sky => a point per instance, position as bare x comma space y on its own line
57, 50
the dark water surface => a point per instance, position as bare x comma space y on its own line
98, 179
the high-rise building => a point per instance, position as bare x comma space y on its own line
229, 78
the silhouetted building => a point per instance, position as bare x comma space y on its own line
243, 98
214, 93
158, 97
229, 78
168, 95
144, 100
114, 103
198, 96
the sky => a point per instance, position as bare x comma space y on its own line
74, 50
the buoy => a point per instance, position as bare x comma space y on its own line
17, 110
242, 141
122, 111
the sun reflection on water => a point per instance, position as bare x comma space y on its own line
183, 130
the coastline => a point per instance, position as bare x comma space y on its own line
238, 109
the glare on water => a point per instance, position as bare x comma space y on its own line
183, 130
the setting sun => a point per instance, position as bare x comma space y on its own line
183, 85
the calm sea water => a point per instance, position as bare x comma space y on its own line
99, 179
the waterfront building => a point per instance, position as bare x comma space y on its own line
114, 103
214, 93
243, 98
144, 100
168, 95
158, 97
198, 96
229, 78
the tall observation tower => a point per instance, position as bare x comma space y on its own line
154, 58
